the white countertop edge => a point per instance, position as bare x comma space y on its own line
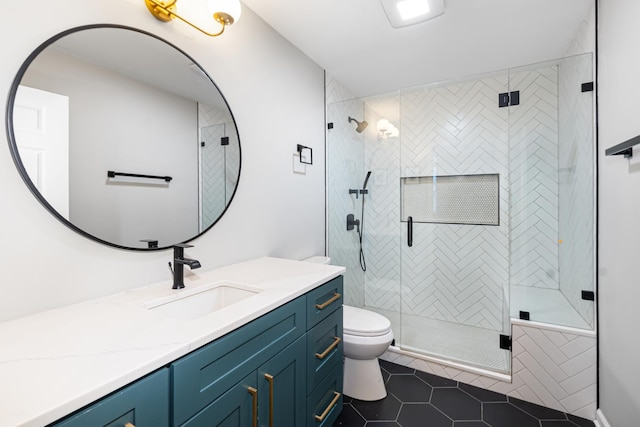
37, 414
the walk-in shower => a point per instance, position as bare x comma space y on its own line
493, 177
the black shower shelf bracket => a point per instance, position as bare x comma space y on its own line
112, 174
625, 149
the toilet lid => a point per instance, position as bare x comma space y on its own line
364, 323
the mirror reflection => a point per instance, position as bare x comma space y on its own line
110, 98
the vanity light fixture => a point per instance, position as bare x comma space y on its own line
408, 12
225, 12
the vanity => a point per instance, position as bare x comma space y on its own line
255, 343
270, 355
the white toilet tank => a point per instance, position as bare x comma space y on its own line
318, 259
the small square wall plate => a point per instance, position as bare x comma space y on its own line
402, 13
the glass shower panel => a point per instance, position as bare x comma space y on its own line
382, 247
213, 186
345, 171
552, 192
455, 275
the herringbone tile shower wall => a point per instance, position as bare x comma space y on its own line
534, 178
456, 273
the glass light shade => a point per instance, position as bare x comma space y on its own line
232, 8
197, 12
383, 125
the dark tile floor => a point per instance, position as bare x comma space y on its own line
418, 399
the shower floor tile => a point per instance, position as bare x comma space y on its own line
417, 399
450, 341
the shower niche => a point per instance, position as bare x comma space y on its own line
497, 202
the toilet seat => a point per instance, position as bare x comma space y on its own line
364, 323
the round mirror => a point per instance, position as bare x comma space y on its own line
123, 137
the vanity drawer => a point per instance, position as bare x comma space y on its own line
207, 373
323, 300
324, 404
144, 403
324, 348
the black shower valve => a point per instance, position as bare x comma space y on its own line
351, 222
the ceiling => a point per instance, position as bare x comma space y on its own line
355, 43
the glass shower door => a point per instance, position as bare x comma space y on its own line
454, 222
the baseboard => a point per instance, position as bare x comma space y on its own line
601, 421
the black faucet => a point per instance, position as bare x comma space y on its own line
179, 261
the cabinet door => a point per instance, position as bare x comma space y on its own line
204, 375
324, 404
145, 403
238, 407
324, 348
282, 388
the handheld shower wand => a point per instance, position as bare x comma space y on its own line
366, 179
363, 262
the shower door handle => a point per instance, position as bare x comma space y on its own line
410, 231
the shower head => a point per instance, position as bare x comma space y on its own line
361, 125
366, 179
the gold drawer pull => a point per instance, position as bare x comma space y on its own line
269, 378
336, 296
254, 396
321, 418
334, 344
129, 425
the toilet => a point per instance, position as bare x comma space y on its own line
367, 335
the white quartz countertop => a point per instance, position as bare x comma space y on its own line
55, 362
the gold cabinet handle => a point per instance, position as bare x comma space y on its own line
334, 344
254, 396
336, 296
270, 379
129, 425
321, 418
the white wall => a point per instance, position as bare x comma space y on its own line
619, 205
277, 97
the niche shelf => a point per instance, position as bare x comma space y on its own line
625, 149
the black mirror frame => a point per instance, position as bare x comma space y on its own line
13, 147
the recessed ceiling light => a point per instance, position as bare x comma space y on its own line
409, 9
408, 12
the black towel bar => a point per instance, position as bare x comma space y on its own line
624, 148
112, 174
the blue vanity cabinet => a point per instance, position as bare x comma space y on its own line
324, 404
236, 408
145, 403
324, 354
282, 388
324, 348
201, 377
283, 369
323, 300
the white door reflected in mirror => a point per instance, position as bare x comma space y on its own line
41, 125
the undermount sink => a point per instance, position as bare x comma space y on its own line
194, 303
